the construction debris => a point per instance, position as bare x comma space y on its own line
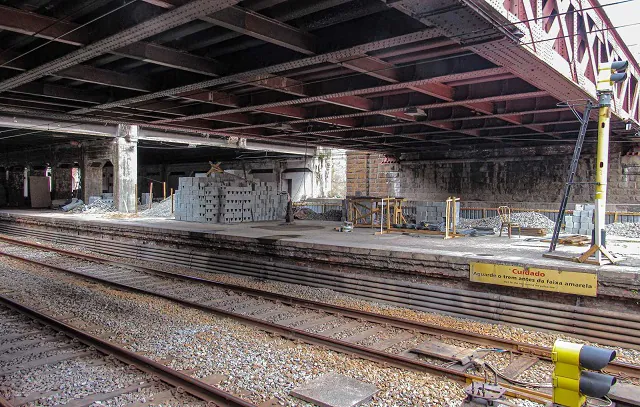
532, 220
99, 206
573, 240
160, 209
309, 214
631, 230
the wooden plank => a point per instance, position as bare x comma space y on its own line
444, 351
10, 337
364, 335
223, 299
387, 343
18, 344
254, 307
340, 328
316, 322
298, 318
281, 310
88, 400
45, 361
623, 392
35, 351
519, 365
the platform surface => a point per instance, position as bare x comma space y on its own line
335, 390
523, 250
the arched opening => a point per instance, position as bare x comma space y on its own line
107, 178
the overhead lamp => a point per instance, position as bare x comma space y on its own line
283, 126
518, 33
414, 111
628, 125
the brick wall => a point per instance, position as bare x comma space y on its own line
528, 175
372, 175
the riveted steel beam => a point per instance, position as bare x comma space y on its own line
267, 29
59, 92
274, 69
88, 73
30, 23
168, 20
339, 97
24, 22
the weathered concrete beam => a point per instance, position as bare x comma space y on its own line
154, 135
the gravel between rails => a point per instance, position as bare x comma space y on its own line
68, 380
253, 362
514, 333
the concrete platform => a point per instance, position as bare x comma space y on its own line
317, 241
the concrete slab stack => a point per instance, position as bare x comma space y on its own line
581, 221
225, 198
433, 212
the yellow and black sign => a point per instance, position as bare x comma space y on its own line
570, 282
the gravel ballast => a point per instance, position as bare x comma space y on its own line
255, 364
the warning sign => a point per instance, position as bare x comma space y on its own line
570, 282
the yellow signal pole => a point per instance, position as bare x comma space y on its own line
608, 74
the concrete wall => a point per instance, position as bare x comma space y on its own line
533, 175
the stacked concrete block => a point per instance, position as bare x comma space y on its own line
581, 221
433, 212
225, 198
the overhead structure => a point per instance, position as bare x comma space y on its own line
394, 75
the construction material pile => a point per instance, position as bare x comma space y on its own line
310, 214
524, 219
624, 229
97, 207
160, 209
226, 198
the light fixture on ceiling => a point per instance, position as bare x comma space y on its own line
283, 126
518, 33
414, 111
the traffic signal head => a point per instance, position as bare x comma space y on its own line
610, 73
571, 383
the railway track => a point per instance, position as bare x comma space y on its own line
591, 324
76, 369
397, 342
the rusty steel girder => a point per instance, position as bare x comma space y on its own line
561, 43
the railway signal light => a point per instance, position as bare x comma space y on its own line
572, 383
610, 73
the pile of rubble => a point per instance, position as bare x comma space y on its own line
309, 214
160, 209
624, 229
97, 207
524, 219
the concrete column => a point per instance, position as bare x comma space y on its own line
125, 168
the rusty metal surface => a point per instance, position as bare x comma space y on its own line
219, 69
343, 346
312, 338
190, 385
615, 367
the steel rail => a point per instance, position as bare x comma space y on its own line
616, 367
459, 303
337, 345
170, 376
5, 403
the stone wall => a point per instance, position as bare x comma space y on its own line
532, 176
